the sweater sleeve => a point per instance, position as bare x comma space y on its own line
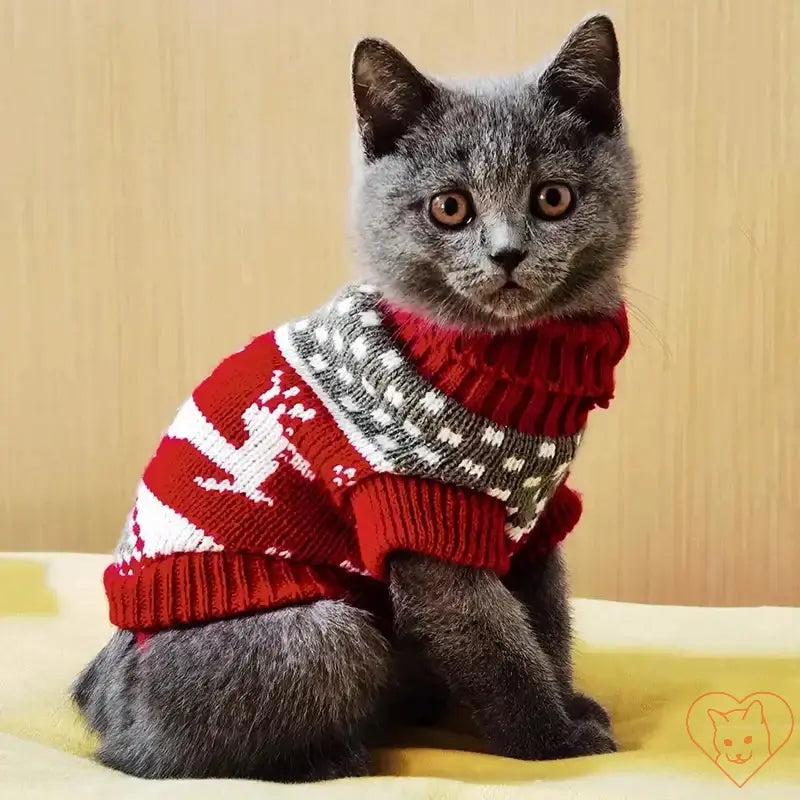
558, 519
394, 513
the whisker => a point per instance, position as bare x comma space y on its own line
631, 288
650, 327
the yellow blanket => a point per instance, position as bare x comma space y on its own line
658, 669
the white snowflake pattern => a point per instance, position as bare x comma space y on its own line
351, 567
344, 476
493, 436
547, 450
518, 532
450, 437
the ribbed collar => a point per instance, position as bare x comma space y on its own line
542, 380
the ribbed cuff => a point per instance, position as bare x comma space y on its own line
191, 588
394, 513
558, 519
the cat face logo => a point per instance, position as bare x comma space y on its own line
740, 736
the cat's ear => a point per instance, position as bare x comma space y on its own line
390, 94
754, 712
716, 717
584, 75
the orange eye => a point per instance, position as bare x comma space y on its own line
727, 742
452, 209
552, 200
748, 739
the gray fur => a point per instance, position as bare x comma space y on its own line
542, 586
286, 695
495, 139
294, 694
477, 637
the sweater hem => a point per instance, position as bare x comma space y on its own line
194, 588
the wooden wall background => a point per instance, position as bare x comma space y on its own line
172, 180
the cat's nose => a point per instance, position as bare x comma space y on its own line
509, 259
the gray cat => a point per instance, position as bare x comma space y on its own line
298, 694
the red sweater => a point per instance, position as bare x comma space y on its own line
314, 452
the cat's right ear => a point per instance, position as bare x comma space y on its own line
390, 94
754, 712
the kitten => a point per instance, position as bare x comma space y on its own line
741, 739
295, 694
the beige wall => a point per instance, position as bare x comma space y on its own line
172, 180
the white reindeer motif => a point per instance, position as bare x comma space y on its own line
266, 447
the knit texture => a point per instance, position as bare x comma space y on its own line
309, 456
545, 381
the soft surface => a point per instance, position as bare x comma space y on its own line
647, 663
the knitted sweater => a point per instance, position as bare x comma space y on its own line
311, 454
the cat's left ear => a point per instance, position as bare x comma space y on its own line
390, 95
584, 75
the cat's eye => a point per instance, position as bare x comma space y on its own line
452, 209
552, 200
748, 739
727, 742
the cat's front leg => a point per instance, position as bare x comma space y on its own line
541, 584
476, 635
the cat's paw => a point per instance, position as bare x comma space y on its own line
582, 707
587, 738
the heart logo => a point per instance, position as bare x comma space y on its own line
739, 735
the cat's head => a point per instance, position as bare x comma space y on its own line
740, 733
492, 203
